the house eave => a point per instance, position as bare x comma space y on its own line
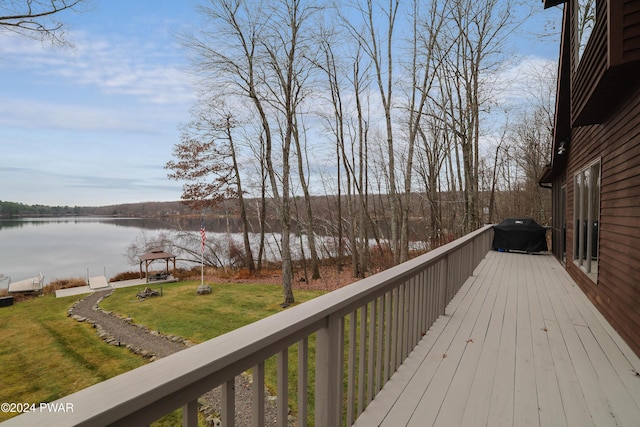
552, 3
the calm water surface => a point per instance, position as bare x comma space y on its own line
69, 247
80, 247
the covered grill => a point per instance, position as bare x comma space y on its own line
519, 234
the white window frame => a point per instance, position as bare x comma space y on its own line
583, 216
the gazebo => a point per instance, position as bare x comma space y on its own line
152, 256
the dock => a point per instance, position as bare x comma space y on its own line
33, 284
99, 283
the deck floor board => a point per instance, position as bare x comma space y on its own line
520, 344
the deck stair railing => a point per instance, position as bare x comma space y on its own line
363, 333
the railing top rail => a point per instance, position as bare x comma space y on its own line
184, 376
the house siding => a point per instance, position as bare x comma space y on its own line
631, 30
617, 144
593, 65
610, 60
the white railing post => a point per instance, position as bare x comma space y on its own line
190, 414
387, 337
282, 400
394, 330
351, 368
229, 403
258, 395
303, 381
380, 340
362, 359
443, 285
371, 344
328, 408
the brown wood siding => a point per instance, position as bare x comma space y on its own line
624, 32
617, 143
610, 64
593, 65
631, 31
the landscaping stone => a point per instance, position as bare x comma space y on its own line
204, 289
147, 293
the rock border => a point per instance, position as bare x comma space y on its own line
110, 339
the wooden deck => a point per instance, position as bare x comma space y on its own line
519, 345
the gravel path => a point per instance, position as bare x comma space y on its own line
120, 330
116, 330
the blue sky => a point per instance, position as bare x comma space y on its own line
95, 125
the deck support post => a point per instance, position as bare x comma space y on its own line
443, 278
328, 411
229, 403
190, 414
257, 414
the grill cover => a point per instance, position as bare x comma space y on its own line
519, 234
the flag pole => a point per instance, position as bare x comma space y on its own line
202, 268
202, 238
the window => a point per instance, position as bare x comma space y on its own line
585, 19
586, 216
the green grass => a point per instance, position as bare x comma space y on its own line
179, 311
45, 355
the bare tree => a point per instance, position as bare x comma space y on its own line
230, 55
431, 158
532, 141
248, 253
524, 147
348, 125
287, 47
479, 30
302, 154
403, 106
425, 54
360, 161
207, 160
495, 172
376, 39
335, 120
37, 18
260, 179
144, 243
203, 162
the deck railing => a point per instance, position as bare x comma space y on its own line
363, 333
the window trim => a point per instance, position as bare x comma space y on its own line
583, 210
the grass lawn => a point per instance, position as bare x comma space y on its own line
45, 355
201, 317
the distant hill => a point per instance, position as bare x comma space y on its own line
144, 209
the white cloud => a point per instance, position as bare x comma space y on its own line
33, 185
114, 67
516, 83
32, 115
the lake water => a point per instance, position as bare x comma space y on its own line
69, 247
80, 247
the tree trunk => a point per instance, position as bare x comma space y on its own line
311, 238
